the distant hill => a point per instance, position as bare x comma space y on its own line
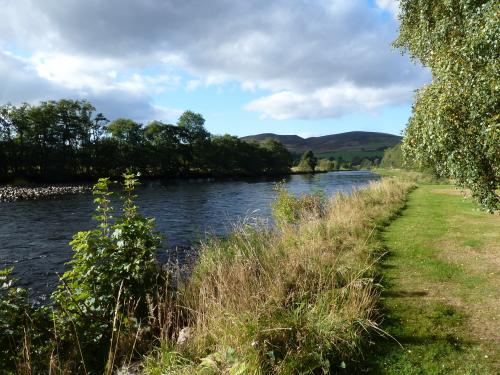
345, 144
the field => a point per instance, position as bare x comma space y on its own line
441, 298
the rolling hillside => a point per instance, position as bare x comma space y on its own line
347, 145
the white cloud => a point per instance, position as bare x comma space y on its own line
193, 84
88, 74
74, 72
248, 86
21, 82
321, 58
327, 102
391, 6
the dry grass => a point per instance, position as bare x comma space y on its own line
295, 299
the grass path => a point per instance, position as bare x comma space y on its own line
442, 288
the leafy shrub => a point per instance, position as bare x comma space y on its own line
326, 165
12, 307
289, 209
113, 274
23, 329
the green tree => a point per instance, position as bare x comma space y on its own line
393, 157
365, 164
277, 157
455, 127
64, 140
125, 130
326, 165
193, 123
308, 161
196, 137
153, 132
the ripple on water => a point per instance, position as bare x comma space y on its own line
34, 235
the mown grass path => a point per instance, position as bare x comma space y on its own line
441, 296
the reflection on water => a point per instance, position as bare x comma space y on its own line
34, 235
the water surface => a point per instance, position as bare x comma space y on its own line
34, 235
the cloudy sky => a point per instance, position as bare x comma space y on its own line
307, 67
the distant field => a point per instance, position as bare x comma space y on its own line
348, 155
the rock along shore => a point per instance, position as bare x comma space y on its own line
14, 193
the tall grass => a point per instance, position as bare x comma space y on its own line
297, 298
300, 298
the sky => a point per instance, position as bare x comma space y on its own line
306, 67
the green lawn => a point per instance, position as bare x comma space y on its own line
441, 298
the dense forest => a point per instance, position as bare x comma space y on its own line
67, 140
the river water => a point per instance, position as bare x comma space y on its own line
34, 235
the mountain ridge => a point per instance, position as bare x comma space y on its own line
348, 141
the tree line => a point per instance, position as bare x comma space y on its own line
67, 140
308, 162
454, 129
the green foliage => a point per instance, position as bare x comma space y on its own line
107, 295
277, 157
308, 162
393, 157
125, 130
23, 329
289, 209
230, 154
326, 165
65, 140
112, 265
13, 303
455, 128
119, 255
193, 123
365, 164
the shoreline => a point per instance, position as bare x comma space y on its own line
9, 193
37, 191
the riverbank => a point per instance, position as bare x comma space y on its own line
305, 297
441, 296
300, 299
10, 193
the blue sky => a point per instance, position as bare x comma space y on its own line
288, 66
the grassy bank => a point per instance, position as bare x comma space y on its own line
303, 297
441, 278
300, 299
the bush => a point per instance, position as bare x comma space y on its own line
113, 269
25, 331
113, 300
326, 165
289, 209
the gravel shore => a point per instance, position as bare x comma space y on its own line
13, 193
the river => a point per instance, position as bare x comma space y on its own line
34, 235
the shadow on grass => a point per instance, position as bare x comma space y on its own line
422, 335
